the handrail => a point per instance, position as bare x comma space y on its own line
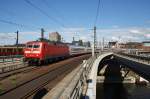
10, 58
137, 57
74, 82
12, 66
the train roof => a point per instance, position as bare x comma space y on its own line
75, 46
13, 46
49, 42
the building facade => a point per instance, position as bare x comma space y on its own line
55, 36
146, 46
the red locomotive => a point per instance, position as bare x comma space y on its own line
44, 51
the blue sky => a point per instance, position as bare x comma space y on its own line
123, 20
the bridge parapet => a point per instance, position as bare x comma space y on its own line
91, 90
137, 64
73, 85
81, 82
135, 57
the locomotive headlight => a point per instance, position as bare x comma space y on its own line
27, 51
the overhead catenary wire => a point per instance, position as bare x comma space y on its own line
97, 12
6, 11
17, 24
44, 13
58, 12
95, 23
12, 23
12, 14
55, 10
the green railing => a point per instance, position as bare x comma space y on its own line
11, 58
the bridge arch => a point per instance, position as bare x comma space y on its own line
91, 91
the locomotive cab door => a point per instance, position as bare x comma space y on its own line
44, 52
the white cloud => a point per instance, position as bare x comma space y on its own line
73, 30
110, 34
114, 38
135, 31
28, 36
83, 38
10, 38
147, 36
125, 34
77, 33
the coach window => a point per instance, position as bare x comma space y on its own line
20, 50
2, 50
8, 50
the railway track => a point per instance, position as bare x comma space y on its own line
24, 69
11, 65
15, 72
53, 73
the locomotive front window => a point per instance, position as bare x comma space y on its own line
36, 46
29, 46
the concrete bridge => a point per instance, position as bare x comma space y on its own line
81, 83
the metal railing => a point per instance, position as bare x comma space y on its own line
11, 58
73, 88
136, 57
9, 63
78, 83
12, 67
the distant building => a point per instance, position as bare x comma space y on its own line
55, 36
81, 43
121, 45
146, 45
87, 44
133, 45
77, 43
112, 44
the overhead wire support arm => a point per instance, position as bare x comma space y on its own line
95, 22
42, 33
17, 37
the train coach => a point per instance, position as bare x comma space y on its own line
40, 52
79, 50
11, 50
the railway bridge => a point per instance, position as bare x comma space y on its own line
76, 81
81, 83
